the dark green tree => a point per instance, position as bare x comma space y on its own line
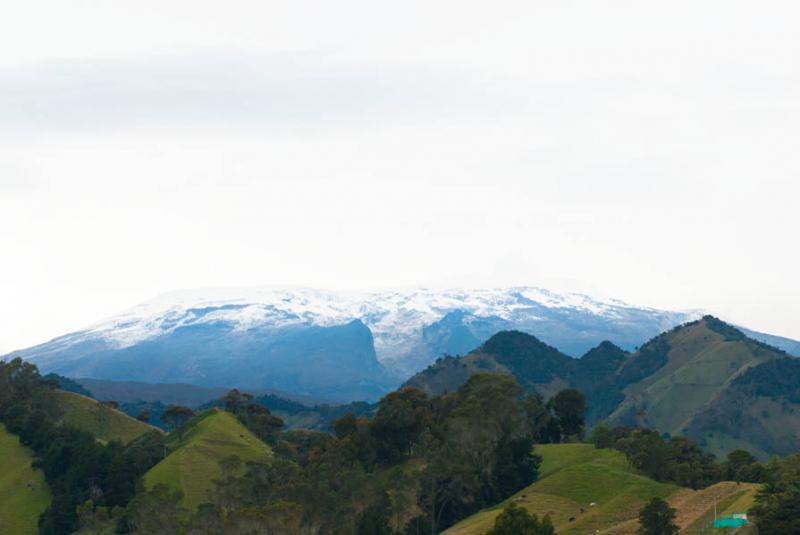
538, 415
569, 408
515, 520
157, 511
374, 520
742, 466
175, 416
401, 418
344, 426
777, 508
602, 437
657, 518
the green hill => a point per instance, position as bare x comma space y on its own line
100, 420
699, 361
193, 464
759, 411
572, 477
705, 379
575, 476
23, 492
718, 386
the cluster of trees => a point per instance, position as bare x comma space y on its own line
515, 520
256, 417
777, 507
417, 465
657, 518
677, 459
77, 468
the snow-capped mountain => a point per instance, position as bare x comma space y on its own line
397, 319
331, 344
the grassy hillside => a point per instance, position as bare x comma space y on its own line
760, 412
23, 492
103, 422
730, 497
193, 464
701, 360
573, 476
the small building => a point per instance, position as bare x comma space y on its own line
736, 520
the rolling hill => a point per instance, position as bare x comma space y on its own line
575, 476
710, 366
23, 492
193, 463
705, 379
103, 422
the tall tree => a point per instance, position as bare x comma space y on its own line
569, 408
777, 507
401, 417
657, 518
175, 416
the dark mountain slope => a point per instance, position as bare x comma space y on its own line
679, 373
336, 362
759, 411
536, 365
595, 374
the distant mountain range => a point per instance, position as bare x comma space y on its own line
339, 346
704, 379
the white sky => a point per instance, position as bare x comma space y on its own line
641, 150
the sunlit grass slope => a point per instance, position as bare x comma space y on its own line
701, 363
103, 422
572, 477
193, 465
696, 508
23, 492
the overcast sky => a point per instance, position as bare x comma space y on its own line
638, 150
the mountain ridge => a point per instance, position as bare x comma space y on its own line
365, 342
698, 379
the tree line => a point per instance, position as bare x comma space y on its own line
678, 459
417, 465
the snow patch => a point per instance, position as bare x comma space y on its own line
396, 318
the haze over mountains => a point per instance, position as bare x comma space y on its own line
335, 345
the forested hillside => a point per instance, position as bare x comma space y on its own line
685, 381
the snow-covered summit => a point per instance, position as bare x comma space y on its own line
338, 345
395, 317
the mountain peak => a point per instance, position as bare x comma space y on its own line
512, 341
